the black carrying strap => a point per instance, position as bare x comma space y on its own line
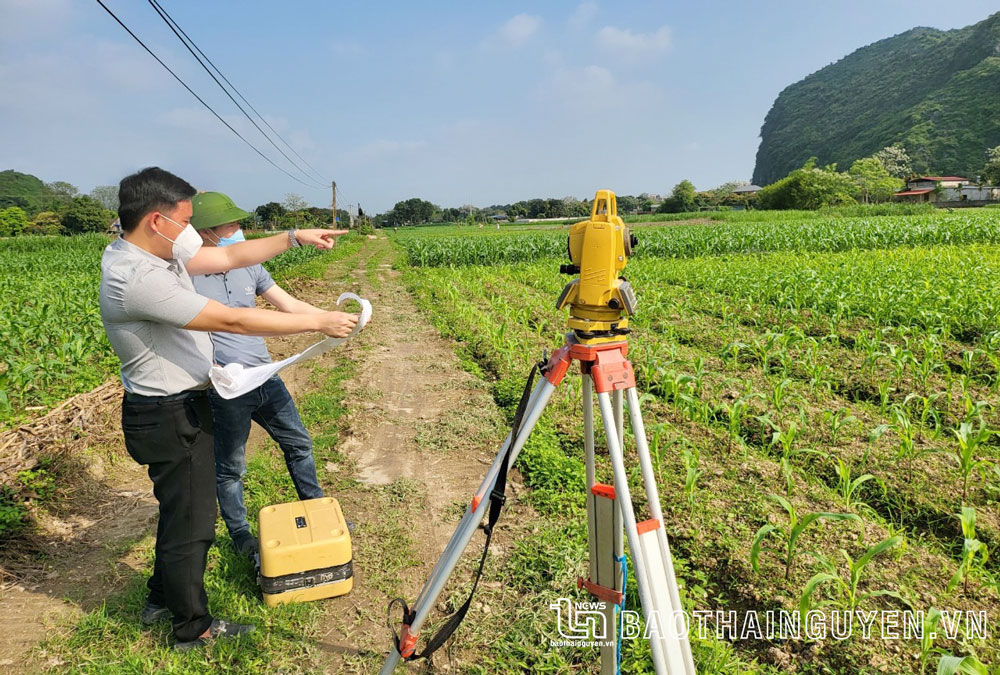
497, 499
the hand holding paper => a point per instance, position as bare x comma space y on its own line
235, 380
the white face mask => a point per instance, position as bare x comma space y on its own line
187, 243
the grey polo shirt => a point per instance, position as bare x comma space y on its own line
237, 288
145, 303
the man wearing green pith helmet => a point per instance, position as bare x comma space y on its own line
216, 218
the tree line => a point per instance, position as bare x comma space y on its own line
29, 206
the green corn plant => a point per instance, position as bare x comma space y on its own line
731, 353
789, 533
885, 390
699, 374
691, 473
968, 368
766, 348
785, 439
675, 386
870, 346
969, 442
900, 358
929, 628
848, 597
779, 394
815, 368
735, 414
656, 447
836, 421
907, 450
924, 369
974, 552
848, 487
928, 413
973, 409
961, 665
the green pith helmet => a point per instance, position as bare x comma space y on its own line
211, 209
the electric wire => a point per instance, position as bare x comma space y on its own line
242, 97
200, 100
175, 27
342, 199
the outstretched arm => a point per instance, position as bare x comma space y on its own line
285, 302
216, 317
215, 259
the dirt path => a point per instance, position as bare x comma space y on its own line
420, 435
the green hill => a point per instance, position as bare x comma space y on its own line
24, 190
936, 92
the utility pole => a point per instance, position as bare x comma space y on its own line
333, 185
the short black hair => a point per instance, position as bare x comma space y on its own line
151, 189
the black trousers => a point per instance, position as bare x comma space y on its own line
174, 439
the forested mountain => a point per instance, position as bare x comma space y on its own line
936, 92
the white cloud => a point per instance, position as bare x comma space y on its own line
519, 29
582, 15
634, 46
580, 91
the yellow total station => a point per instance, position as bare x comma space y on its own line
600, 299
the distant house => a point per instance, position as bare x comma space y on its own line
953, 190
747, 190
929, 182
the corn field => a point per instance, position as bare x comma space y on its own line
53, 344
838, 372
690, 241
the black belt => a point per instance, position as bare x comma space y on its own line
190, 393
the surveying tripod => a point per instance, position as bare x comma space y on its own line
598, 343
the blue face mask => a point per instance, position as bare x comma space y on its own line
235, 238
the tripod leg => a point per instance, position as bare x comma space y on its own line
653, 497
474, 514
588, 428
603, 537
616, 397
638, 556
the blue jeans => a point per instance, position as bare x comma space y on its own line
271, 406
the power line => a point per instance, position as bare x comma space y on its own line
175, 27
200, 100
237, 91
341, 197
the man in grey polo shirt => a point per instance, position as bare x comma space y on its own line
158, 326
215, 217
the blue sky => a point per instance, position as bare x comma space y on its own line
459, 103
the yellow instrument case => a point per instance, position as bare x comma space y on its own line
305, 551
